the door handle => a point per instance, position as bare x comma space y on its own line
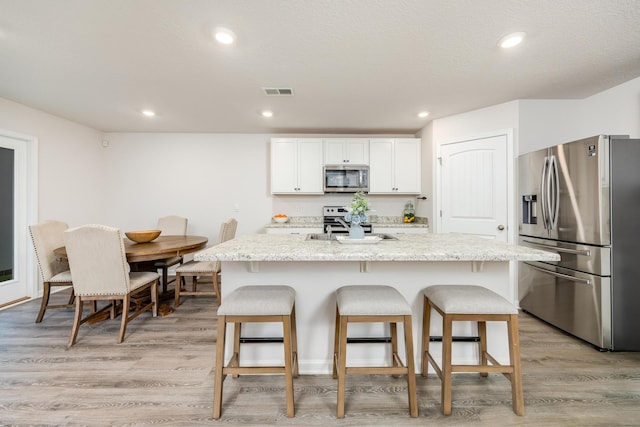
501, 227
563, 276
586, 252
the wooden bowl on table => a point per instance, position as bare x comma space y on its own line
142, 236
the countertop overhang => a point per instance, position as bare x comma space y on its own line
408, 247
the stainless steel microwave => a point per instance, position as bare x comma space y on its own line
346, 179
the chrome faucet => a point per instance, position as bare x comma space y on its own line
344, 224
329, 231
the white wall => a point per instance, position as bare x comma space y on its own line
70, 166
205, 177
544, 123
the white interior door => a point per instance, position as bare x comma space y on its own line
474, 187
17, 279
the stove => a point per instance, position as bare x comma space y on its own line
331, 213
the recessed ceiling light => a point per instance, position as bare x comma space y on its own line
267, 113
511, 40
423, 114
148, 113
224, 35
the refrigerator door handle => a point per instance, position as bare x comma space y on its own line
557, 249
563, 276
554, 203
543, 194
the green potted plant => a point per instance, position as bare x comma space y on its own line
357, 214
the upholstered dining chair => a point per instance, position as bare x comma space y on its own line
46, 237
100, 272
195, 269
171, 225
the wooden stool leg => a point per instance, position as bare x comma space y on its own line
446, 364
514, 355
342, 368
394, 344
426, 335
288, 369
237, 331
482, 346
294, 342
336, 345
411, 370
219, 377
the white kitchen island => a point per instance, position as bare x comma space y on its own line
315, 269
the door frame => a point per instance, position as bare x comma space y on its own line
26, 209
512, 209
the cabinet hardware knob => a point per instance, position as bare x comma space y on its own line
501, 227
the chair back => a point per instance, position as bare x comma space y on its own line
173, 225
227, 232
46, 237
98, 260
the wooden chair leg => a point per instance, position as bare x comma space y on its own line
179, 281
125, 317
342, 365
216, 287
426, 335
76, 321
411, 370
219, 376
288, 369
517, 395
446, 364
71, 297
154, 298
45, 301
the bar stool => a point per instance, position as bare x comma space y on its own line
262, 303
372, 304
478, 304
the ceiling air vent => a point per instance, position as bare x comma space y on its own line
274, 91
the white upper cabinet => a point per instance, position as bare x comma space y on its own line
395, 166
296, 166
347, 151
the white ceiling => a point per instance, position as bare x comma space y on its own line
356, 66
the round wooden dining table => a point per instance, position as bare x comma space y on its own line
161, 248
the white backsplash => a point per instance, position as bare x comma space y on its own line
312, 205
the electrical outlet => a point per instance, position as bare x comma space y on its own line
236, 207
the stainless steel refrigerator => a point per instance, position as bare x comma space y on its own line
582, 200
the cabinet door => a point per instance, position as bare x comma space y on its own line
350, 151
381, 178
356, 151
407, 166
333, 152
284, 166
310, 166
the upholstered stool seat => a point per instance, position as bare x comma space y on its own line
261, 303
370, 304
478, 304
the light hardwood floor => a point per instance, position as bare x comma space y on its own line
162, 374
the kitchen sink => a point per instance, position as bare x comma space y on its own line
324, 236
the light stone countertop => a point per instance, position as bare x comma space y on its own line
376, 221
408, 247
